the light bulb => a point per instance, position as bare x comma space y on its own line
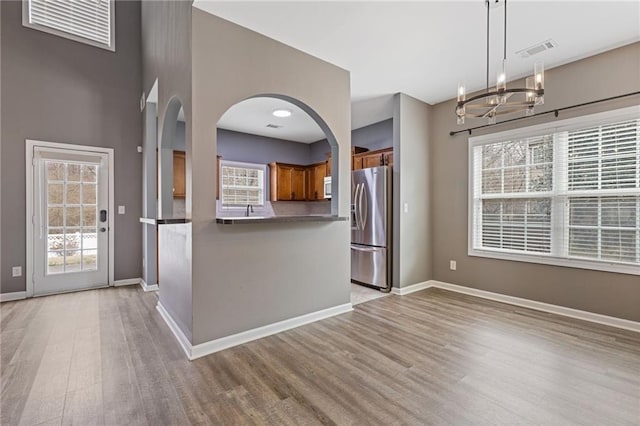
530, 94
538, 72
501, 79
461, 92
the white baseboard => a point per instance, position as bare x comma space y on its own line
401, 291
212, 346
148, 287
16, 295
129, 281
216, 345
185, 344
539, 306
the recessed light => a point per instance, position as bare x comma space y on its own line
281, 113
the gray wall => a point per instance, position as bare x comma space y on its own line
58, 90
412, 251
252, 275
236, 146
375, 136
166, 56
608, 74
239, 146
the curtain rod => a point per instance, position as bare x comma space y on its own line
555, 111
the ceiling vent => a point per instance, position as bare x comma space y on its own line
537, 48
274, 126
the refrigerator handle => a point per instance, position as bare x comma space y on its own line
366, 249
364, 208
360, 208
355, 212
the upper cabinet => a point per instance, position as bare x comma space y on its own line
292, 182
288, 182
356, 162
179, 174
380, 157
315, 181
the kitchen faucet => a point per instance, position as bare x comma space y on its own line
249, 207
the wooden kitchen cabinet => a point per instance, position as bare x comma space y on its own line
288, 182
315, 181
179, 174
387, 158
380, 157
356, 161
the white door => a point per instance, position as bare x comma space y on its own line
70, 220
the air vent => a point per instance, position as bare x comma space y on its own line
274, 126
537, 48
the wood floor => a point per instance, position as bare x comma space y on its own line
433, 357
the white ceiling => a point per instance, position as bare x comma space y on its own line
425, 48
253, 115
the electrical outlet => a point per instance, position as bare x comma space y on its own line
16, 271
121, 209
452, 265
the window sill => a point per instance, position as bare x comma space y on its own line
594, 265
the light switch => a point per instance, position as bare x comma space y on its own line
406, 207
452, 265
120, 209
16, 271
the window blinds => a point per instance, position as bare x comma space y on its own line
87, 19
603, 192
567, 194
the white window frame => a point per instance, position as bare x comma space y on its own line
570, 124
256, 166
112, 30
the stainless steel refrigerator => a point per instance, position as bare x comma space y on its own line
370, 227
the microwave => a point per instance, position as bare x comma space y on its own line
327, 187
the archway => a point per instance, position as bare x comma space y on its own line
276, 156
172, 162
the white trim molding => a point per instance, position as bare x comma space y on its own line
401, 291
148, 287
212, 346
538, 306
16, 295
183, 340
128, 281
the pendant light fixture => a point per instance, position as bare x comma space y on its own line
501, 100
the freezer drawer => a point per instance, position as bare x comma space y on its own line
369, 265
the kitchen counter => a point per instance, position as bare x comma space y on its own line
241, 220
165, 221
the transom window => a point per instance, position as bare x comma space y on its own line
242, 184
566, 195
86, 21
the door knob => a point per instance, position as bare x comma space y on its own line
103, 229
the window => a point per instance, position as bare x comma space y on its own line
242, 184
566, 193
86, 21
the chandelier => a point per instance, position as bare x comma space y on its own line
500, 100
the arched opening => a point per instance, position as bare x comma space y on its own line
172, 162
275, 157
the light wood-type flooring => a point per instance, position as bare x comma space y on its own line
433, 357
